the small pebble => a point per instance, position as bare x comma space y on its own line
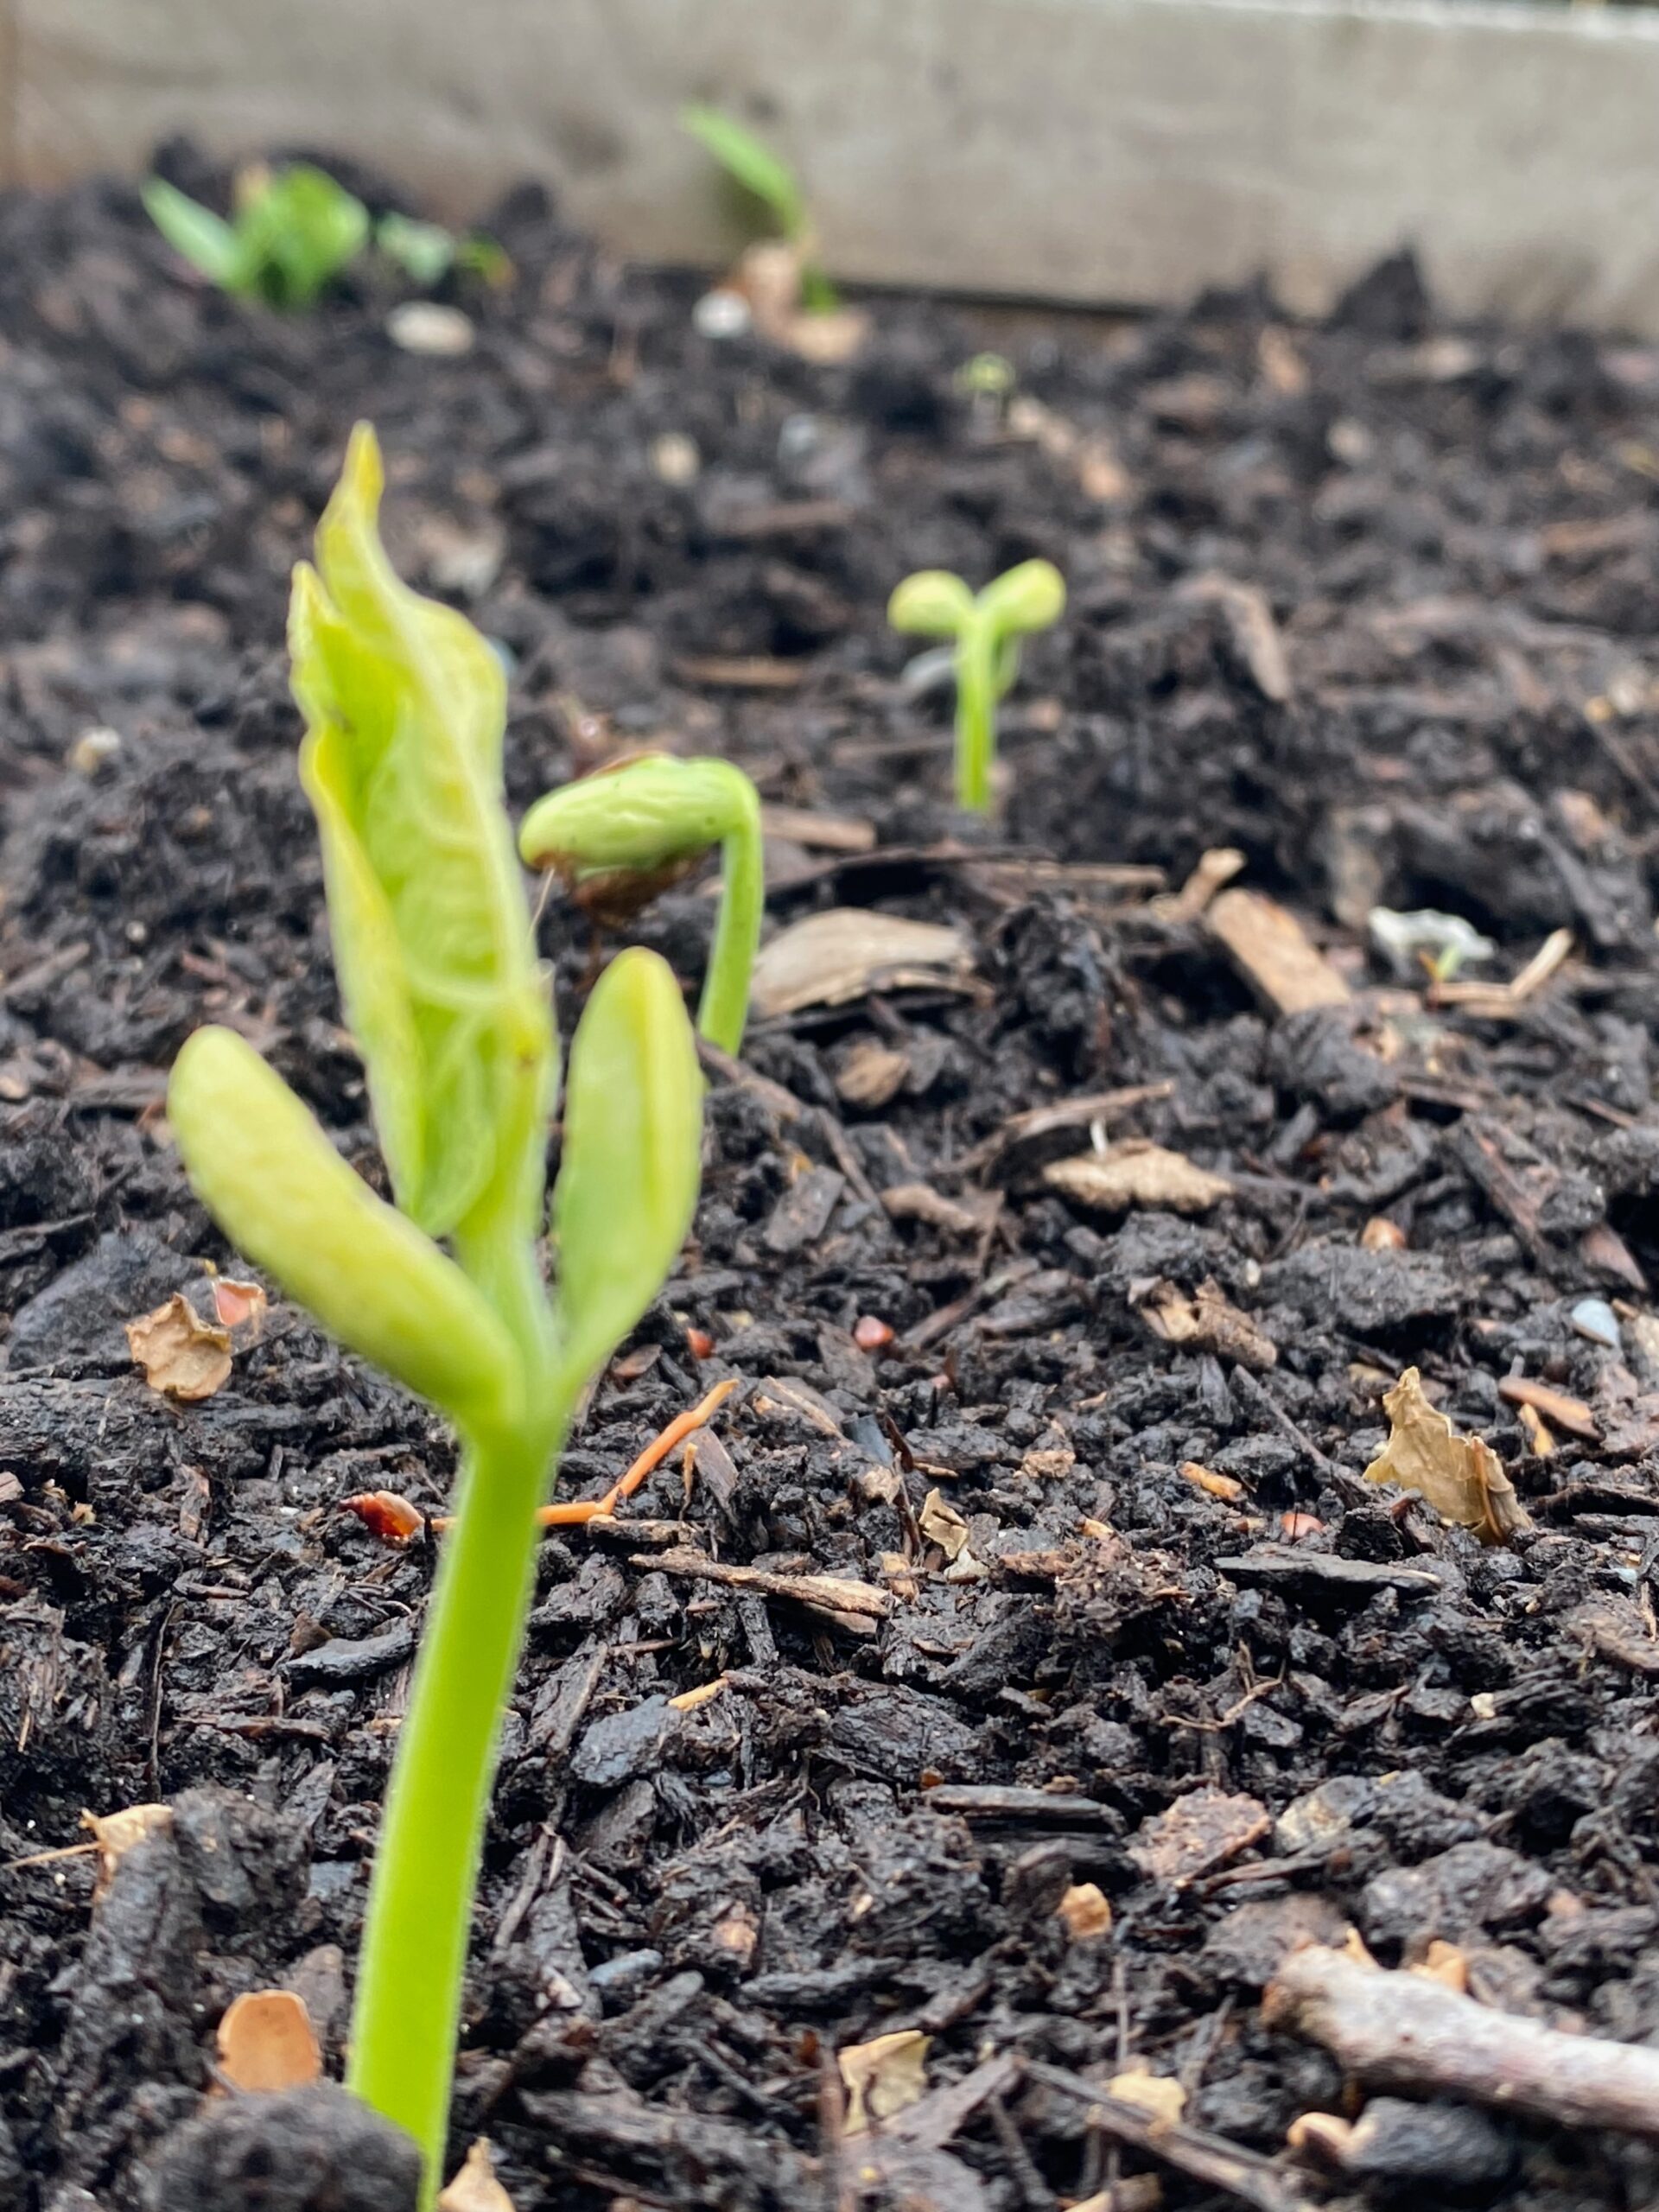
675, 460
428, 327
1595, 1318
92, 748
722, 314
870, 1334
699, 1344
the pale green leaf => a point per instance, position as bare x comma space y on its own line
642, 815
750, 163
409, 701
633, 1146
1027, 598
206, 241
932, 604
262, 1165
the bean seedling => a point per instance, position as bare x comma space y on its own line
986, 628
754, 166
620, 837
292, 231
405, 706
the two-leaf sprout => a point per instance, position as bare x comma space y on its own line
619, 837
986, 628
405, 706
755, 169
293, 231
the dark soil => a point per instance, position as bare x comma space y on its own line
869, 1827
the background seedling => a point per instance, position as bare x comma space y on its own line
754, 166
620, 835
987, 628
404, 705
426, 252
292, 233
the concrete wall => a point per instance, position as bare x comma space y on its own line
1089, 151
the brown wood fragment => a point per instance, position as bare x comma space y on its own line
1198, 1833
1215, 868
1408, 2031
851, 1604
1273, 952
1557, 1408
1244, 2176
739, 672
1256, 638
818, 832
1040, 1122
921, 1202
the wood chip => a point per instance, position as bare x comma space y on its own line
1256, 638
883, 2076
1199, 1833
921, 1202
833, 958
1272, 951
1226, 1487
871, 1076
1085, 1911
183, 1356
1561, 1411
266, 2041
1215, 869
818, 832
1038, 1122
850, 1604
1159, 2095
1136, 1173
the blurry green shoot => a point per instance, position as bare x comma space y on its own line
618, 837
426, 252
404, 705
754, 166
986, 628
292, 231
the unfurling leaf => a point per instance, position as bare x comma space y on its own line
1460, 1476
632, 1147
404, 705
260, 1162
932, 604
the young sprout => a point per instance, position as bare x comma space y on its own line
987, 628
426, 252
404, 705
754, 166
292, 233
620, 837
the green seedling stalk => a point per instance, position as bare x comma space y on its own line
404, 705
647, 817
986, 629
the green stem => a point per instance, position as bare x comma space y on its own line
408, 2008
976, 715
406, 2017
725, 1004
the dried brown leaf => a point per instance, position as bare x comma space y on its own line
883, 2076
1136, 1173
238, 1305
830, 959
183, 1356
1460, 1476
474, 2188
115, 1833
942, 1525
1210, 1322
266, 2041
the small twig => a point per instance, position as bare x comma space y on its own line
1208, 2158
1404, 2030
